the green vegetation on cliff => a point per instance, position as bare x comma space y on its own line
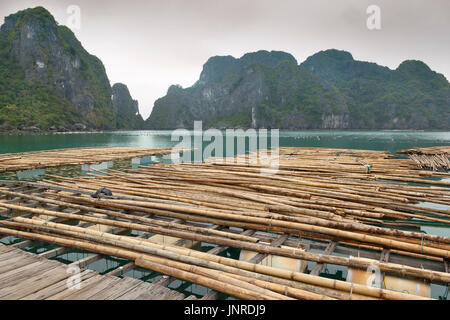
48, 79
410, 97
330, 90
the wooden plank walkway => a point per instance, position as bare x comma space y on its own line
26, 276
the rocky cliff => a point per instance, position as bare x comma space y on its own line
261, 89
409, 97
330, 90
47, 78
126, 109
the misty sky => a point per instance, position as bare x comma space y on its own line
149, 45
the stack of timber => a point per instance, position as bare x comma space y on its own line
436, 158
74, 156
315, 208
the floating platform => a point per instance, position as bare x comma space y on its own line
319, 209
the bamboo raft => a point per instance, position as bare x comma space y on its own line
26, 276
321, 207
435, 158
74, 156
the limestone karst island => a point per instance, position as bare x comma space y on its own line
212, 150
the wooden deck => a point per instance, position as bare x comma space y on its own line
27, 276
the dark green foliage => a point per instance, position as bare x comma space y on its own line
28, 101
329, 90
410, 97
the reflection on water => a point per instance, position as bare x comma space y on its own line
136, 162
29, 174
91, 168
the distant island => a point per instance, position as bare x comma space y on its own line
330, 90
48, 81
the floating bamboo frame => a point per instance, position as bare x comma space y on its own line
312, 196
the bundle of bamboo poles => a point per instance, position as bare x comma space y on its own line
436, 158
365, 164
74, 156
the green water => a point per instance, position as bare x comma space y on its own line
372, 140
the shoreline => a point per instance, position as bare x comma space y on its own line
281, 129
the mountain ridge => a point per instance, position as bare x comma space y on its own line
329, 90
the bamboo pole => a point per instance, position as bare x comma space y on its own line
389, 243
352, 262
107, 250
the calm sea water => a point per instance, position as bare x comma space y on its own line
372, 140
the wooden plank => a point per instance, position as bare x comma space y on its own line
129, 285
87, 261
84, 286
54, 252
4, 248
34, 284
121, 270
7, 260
22, 244
261, 256
57, 287
15, 263
20, 274
153, 293
158, 292
136, 292
121, 285
174, 295
319, 266
11, 254
94, 289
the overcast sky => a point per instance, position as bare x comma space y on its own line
149, 45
